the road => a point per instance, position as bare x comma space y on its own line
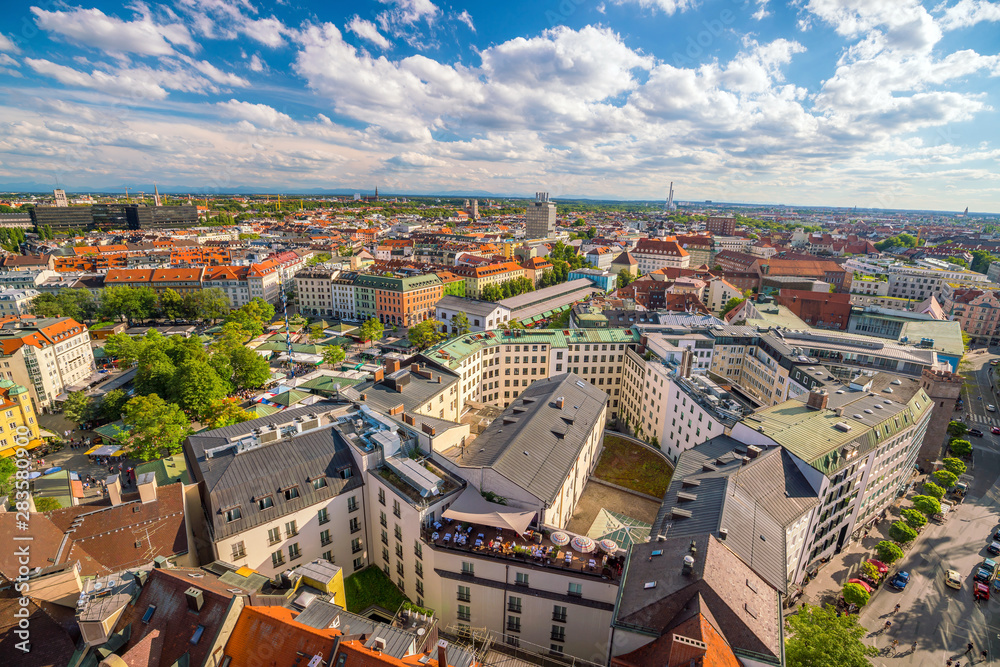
940, 619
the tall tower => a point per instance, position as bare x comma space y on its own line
540, 217
156, 196
60, 196
944, 388
670, 197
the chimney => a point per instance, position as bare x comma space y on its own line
147, 486
753, 451
560, 402
818, 399
392, 365
442, 653
379, 374
195, 599
114, 490
428, 429
364, 397
414, 368
396, 410
688, 565
378, 644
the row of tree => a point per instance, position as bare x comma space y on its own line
132, 304
506, 289
11, 238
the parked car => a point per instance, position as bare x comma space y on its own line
996, 534
994, 548
879, 565
975, 432
994, 362
982, 574
952, 579
995, 430
991, 408
899, 580
980, 591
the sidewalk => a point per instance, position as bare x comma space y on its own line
826, 587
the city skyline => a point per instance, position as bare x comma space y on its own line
822, 102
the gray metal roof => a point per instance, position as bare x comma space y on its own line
238, 480
468, 306
199, 442
535, 444
416, 393
322, 615
714, 489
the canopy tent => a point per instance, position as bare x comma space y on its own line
621, 529
103, 450
471, 507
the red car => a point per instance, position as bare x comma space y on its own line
879, 565
981, 591
995, 430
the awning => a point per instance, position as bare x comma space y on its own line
92, 450
473, 508
103, 450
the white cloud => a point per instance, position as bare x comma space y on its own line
260, 115
217, 75
668, 7
8, 45
125, 85
256, 64
92, 27
601, 8
368, 31
7, 60
466, 18
967, 13
408, 12
761, 12
269, 32
907, 23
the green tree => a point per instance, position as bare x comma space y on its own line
461, 324
955, 466
957, 429
333, 355
7, 469
112, 404
856, 594
78, 406
960, 447
933, 490
888, 552
926, 504
425, 334
731, 304
820, 637
171, 304
122, 347
157, 428
371, 330
155, 374
253, 316
957, 260
901, 532
316, 330
914, 519
224, 412
625, 278
870, 571
46, 504
250, 370
946, 478
208, 304
197, 385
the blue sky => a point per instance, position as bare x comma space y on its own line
875, 103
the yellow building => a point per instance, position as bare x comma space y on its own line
17, 419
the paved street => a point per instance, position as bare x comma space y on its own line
942, 620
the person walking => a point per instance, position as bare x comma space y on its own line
896, 609
968, 648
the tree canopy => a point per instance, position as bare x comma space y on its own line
960, 447
856, 594
333, 355
78, 406
933, 490
926, 504
157, 428
425, 334
888, 552
371, 330
819, 637
955, 466
913, 518
461, 324
957, 429
902, 532
946, 478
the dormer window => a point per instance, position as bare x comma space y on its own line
292, 493
232, 514
319, 483
265, 502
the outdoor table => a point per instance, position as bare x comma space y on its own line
434, 536
447, 537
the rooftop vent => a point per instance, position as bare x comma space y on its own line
857, 416
649, 584
842, 426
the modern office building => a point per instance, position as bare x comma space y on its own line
540, 217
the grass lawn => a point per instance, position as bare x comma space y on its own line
371, 586
634, 467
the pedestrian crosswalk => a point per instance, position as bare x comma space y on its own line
982, 419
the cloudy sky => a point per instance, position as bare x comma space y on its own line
881, 103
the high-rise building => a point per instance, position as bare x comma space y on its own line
670, 199
540, 217
60, 196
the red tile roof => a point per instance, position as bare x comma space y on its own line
270, 635
49, 646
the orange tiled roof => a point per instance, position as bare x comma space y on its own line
272, 633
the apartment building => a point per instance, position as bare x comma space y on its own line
482, 315
48, 356
159, 280
314, 291
976, 310
870, 286
263, 281
497, 367
653, 254
17, 418
720, 225
343, 298
232, 280
401, 301
478, 277
16, 302
914, 282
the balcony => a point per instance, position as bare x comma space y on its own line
559, 618
323, 541
511, 627
513, 608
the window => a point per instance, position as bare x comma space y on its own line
324, 538
355, 525
277, 559
273, 535
555, 649
292, 493
559, 613
328, 555
514, 604
558, 633
381, 496
355, 545
382, 519
324, 516
291, 530
521, 578
149, 613
399, 551
293, 551
385, 537
358, 564
265, 502
399, 533
385, 554
468, 568
418, 549
352, 503
513, 623
576, 590
239, 551
418, 567
464, 594
232, 514
396, 510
